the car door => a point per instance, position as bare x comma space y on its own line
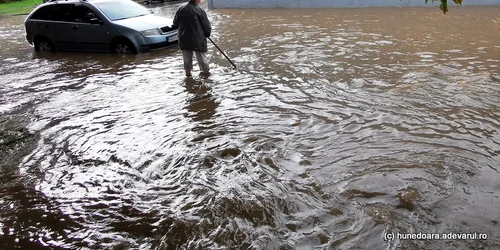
62, 26
92, 33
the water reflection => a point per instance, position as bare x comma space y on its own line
201, 103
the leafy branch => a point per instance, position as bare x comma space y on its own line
444, 4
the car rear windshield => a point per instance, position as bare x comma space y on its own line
117, 10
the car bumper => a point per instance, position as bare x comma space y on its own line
29, 40
158, 42
156, 46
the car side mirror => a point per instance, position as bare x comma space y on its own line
95, 20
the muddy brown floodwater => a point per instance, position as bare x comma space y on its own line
339, 126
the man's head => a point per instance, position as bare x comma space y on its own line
195, 1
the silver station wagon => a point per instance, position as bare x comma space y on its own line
117, 26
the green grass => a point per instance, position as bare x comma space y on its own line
18, 7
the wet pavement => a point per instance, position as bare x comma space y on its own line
338, 127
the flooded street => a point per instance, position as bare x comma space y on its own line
338, 127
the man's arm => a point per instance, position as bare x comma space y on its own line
207, 28
176, 19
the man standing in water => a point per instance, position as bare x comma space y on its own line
194, 28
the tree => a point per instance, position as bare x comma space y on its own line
444, 4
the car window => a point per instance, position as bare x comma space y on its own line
42, 13
61, 12
82, 14
117, 10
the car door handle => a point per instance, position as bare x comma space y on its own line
74, 27
45, 26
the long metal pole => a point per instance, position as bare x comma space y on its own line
221, 52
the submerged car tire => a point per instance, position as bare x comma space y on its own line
43, 44
123, 46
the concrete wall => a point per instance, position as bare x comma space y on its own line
234, 4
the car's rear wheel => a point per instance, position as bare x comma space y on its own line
123, 47
43, 44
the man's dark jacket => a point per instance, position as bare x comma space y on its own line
193, 26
